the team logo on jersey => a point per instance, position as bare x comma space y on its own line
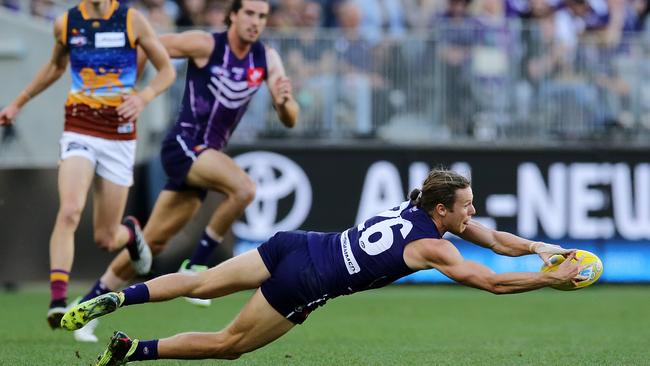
255, 76
239, 72
283, 196
220, 71
78, 41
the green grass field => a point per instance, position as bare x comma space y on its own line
399, 325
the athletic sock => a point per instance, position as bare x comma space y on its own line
59, 287
98, 289
136, 294
145, 350
203, 250
131, 244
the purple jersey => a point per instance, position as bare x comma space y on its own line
217, 94
371, 254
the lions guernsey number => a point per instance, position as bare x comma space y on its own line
381, 232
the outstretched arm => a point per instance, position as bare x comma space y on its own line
445, 257
508, 244
281, 90
48, 74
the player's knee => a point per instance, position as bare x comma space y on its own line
105, 239
228, 345
69, 214
157, 246
245, 193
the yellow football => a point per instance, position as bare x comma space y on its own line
592, 270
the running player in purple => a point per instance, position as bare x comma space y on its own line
224, 71
296, 272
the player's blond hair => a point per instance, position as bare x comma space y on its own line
439, 187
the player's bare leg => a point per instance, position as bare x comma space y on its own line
109, 201
172, 211
246, 271
74, 179
257, 325
216, 171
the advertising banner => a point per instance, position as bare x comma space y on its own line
598, 201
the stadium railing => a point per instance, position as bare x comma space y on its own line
506, 85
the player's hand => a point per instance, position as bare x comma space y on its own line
546, 251
282, 90
8, 114
568, 270
131, 107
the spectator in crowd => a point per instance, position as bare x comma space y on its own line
495, 53
418, 13
356, 70
215, 15
454, 30
380, 19
161, 13
192, 14
43, 9
287, 16
10, 4
310, 64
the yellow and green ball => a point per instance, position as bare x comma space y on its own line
593, 268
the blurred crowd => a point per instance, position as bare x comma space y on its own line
390, 18
478, 67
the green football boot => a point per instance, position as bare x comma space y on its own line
118, 351
82, 314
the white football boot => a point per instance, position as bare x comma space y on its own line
193, 270
87, 333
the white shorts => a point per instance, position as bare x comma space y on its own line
113, 159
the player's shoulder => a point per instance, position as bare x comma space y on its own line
426, 252
60, 25
135, 14
271, 51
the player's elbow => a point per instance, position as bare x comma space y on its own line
499, 290
290, 121
493, 285
502, 250
169, 74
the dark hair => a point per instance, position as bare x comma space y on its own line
439, 187
235, 5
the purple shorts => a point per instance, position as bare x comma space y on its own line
177, 155
295, 288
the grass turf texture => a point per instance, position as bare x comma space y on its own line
398, 325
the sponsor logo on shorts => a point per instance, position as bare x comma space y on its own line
75, 146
